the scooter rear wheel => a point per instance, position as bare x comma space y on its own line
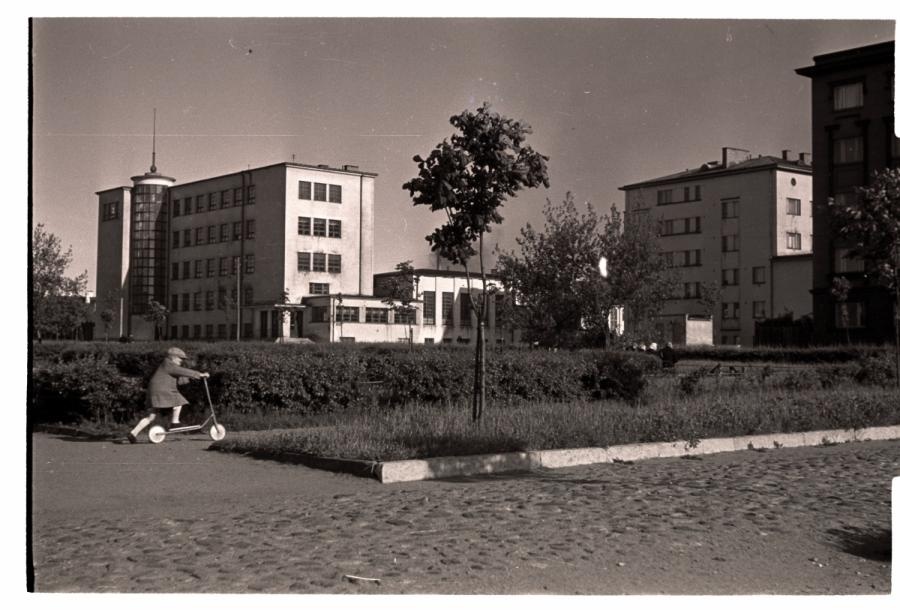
157, 434
217, 432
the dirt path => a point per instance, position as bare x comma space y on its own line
176, 518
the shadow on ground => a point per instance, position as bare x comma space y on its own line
872, 544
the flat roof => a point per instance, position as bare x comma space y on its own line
850, 58
429, 272
760, 163
320, 168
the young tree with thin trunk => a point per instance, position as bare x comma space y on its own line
57, 301
468, 178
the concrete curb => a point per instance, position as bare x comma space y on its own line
436, 468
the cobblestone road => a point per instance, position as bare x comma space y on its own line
176, 518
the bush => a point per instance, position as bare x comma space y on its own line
618, 375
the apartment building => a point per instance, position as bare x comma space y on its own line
853, 136
222, 252
739, 232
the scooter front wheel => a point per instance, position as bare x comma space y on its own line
157, 434
217, 432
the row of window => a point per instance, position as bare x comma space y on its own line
214, 234
210, 300
228, 265
667, 196
683, 258
680, 226
318, 261
209, 331
213, 201
316, 191
732, 311
373, 315
318, 227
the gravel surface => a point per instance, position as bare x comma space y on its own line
176, 518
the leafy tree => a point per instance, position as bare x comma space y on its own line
468, 178
401, 292
640, 279
871, 224
555, 278
157, 313
58, 306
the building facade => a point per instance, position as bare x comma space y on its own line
853, 136
730, 227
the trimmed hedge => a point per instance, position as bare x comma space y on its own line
103, 382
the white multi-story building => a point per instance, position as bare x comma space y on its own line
739, 229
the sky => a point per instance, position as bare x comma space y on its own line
610, 102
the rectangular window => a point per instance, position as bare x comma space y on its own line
236, 231
221, 331
405, 317
305, 190
334, 263
793, 207
731, 311
465, 309
210, 267
730, 277
319, 192
318, 261
198, 268
303, 261
208, 331
693, 258
248, 295
197, 331
334, 228
318, 314
210, 300
759, 309
844, 263
200, 236
317, 288
447, 308
251, 194
186, 269
851, 314
668, 227
223, 233
211, 234
188, 205
238, 197
847, 96
691, 290
377, 315
235, 261
226, 199
428, 307
184, 331
176, 207
251, 229
185, 303
198, 301
759, 275
848, 150
222, 298
186, 238
223, 265
174, 306
213, 201
663, 197
304, 225
319, 227
263, 323
201, 203
173, 332
730, 208
249, 264
174, 271
697, 192
730, 243
686, 195
111, 210
669, 257
346, 314
793, 241
334, 193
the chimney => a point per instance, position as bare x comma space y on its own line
351, 168
805, 158
730, 156
786, 155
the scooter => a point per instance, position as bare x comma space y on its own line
158, 433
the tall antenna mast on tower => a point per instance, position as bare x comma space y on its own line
153, 162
